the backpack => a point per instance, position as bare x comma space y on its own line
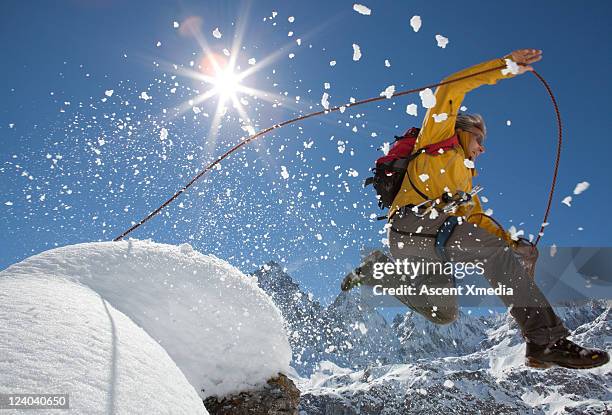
390, 169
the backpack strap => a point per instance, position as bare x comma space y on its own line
444, 145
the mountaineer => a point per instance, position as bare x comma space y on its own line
435, 213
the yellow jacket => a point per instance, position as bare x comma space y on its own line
447, 172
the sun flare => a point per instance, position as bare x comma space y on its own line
226, 82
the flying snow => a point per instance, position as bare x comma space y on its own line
511, 68
468, 163
515, 234
361, 9
388, 92
411, 109
109, 92
567, 201
356, 52
424, 177
428, 99
217, 33
440, 117
415, 22
442, 41
163, 134
581, 187
284, 173
144, 96
325, 100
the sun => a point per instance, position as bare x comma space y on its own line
226, 82
219, 75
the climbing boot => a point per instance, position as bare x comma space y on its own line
364, 271
564, 353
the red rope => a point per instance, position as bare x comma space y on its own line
557, 158
337, 108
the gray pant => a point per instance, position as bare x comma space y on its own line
470, 243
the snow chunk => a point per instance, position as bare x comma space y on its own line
291, 19
249, 129
468, 163
385, 148
440, 117
511, 68
109, 92
219, 327
581, 187
449, 384
514, 234
415, 22
387, 63
433, 214
284, 173
144, 96
388, 92
361, 9
553, 250
175, 24
567, 201
508, 123
217, 33
428, 99
356, 52
9, 203
163, 134
252, 61
424, 177
332, 63
325, 100
442, 41
411, 109
78, 341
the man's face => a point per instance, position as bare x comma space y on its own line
475, 146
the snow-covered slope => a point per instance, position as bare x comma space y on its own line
422, 339
492, 380
217, 325
57, 336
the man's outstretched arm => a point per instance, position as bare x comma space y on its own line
450, 96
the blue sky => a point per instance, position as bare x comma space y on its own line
75, 168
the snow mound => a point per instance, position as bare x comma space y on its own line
60, 337
218, 326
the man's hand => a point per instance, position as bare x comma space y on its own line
527, 254
525, 57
